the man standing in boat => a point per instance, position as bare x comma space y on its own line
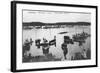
45, 47
67, 40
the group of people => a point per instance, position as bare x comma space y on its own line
46, 45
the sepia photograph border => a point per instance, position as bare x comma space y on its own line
14, 35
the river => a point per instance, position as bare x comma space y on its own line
49, 35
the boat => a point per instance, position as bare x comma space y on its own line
80, 36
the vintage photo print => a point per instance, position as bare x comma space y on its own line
49, 35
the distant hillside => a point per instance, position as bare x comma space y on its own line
59, 23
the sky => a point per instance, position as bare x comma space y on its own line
53, 17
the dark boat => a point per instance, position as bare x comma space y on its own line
62, 32
80, 36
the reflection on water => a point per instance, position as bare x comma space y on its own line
49, 34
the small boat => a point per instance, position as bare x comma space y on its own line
62, 32
80, 36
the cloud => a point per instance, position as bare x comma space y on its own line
52, 17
